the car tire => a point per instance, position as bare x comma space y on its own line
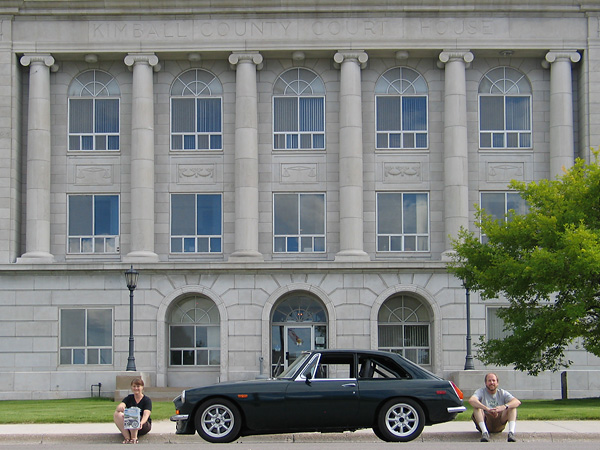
219, 421
400, 420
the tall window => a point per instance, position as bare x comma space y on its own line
402, 222
86, 336
504, 109
196, 223
94, 112
495, 324
299, 223
93, 224
299, 111
500, 205
403, 327
194, 333
196, 111
401, 109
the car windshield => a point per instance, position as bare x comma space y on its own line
293, 367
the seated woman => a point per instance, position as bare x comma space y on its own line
141, 401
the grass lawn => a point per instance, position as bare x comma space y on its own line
101, 410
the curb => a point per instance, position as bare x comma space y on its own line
171, 438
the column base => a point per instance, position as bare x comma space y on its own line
448, 255
352, 256
141, 256
36, 258
246, 256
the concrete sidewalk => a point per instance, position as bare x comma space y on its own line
164, 432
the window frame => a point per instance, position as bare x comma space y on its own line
199, 89
393, 238
403, 323
393, 83
195, 324
299, 236
62, 349
289, 87
211, 238
96, 91
85, 238
505, 88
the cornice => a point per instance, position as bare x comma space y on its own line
279, 7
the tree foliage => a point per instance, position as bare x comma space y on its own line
546, 263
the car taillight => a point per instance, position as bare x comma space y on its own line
457, 390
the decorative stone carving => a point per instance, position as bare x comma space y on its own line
94, 175
195, 173
298, 173
505, 171
405, 172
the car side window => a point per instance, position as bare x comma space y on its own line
375, 367
335, 366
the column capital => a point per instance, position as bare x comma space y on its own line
246, 57
560, 55
142, 58
358, 56
455, 55
43, 58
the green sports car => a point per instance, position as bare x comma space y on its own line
327, 391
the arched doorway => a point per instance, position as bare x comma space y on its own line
299, 323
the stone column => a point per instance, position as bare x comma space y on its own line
456, 181
142, 157
562, 151
351, 156
246, 156
37, 223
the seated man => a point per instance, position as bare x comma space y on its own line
493, 408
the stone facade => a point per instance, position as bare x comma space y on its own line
554, 45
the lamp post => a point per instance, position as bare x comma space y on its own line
131, 278
469, 358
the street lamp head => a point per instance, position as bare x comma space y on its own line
131, 277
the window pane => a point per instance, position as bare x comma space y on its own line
107, 115
388, 113
78, 356
209, 214
80, 115
80, 215
93, 356
414, 113
182, 336
183, 117
202, 356
491, 113
183, 215
312, 114
72, 328
213, 337
176, 357
415, 213
493, 204
65, 356
188, 357
209, 115
286, 214
99, 327
201, 339
285, 114
389, 213
312, 214
517, 113
515, 202
106, 215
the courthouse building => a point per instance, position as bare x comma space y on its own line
282, 175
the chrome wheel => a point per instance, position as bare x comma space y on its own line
218, 421
401, 420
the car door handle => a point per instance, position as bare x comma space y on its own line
353, 385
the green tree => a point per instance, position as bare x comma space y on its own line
546, 263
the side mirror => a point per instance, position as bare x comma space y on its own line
308, 376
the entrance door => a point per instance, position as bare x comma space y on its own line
298, 340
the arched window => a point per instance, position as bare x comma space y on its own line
94, 111
299, 111
194, 333
196, 111
404, 327
504, 109
401, 109
299, 324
